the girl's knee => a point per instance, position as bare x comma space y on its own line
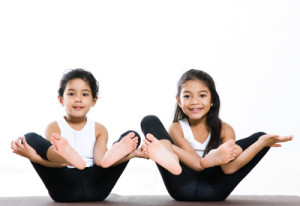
149, 119
246, 142
39, 143
258, 134
31, 138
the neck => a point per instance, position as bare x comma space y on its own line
197, 122
75, 120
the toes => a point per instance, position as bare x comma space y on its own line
131, 134
56, 136
150, 137
146, 142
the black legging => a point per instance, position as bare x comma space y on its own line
73, 185
210, 184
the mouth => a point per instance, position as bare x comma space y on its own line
78, 108
196, 110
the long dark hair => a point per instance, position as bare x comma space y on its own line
213, 121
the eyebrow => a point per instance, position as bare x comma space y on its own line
198, 91
85, 90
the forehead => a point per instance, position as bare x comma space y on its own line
194, 85
79, 84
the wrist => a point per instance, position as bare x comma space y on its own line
36, 159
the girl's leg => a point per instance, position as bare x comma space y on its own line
152, 124
98, 182
61, 151
159, 144
63, 184
214, 185
210, 184
180, 187
128, 142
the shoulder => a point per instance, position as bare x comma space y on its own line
100, 130
175, 130
227, 132
52, 128
175, 126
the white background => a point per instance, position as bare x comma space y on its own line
138, 50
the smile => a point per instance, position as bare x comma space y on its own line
78, 108
196, 110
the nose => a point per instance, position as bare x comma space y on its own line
195, 100
78, 98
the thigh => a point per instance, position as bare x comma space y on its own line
98, 182
181, 187
63, 184
191, 185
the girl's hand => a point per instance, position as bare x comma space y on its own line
24, 150
271, 140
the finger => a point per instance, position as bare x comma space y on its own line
18, 142
271, 136
13, 146
285, 138
24, 141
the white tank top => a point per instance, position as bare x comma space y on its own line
188, 135
82, 141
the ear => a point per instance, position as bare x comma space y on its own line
61, 101
178, 101
94, 101
211, 104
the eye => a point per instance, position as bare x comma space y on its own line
71, 94
202, 95
85, 94
186, 96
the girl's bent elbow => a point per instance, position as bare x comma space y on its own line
198, 168
228, 171
98, 164
102, 164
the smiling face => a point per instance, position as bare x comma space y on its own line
77, 99
195, 99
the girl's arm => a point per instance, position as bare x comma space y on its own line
100, 147
220, 156
183, 149
244, 157
51, 128
227, 133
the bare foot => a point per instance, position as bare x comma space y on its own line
161, 155
270, 140
140, 153
65, 151
120, 150
222, 155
